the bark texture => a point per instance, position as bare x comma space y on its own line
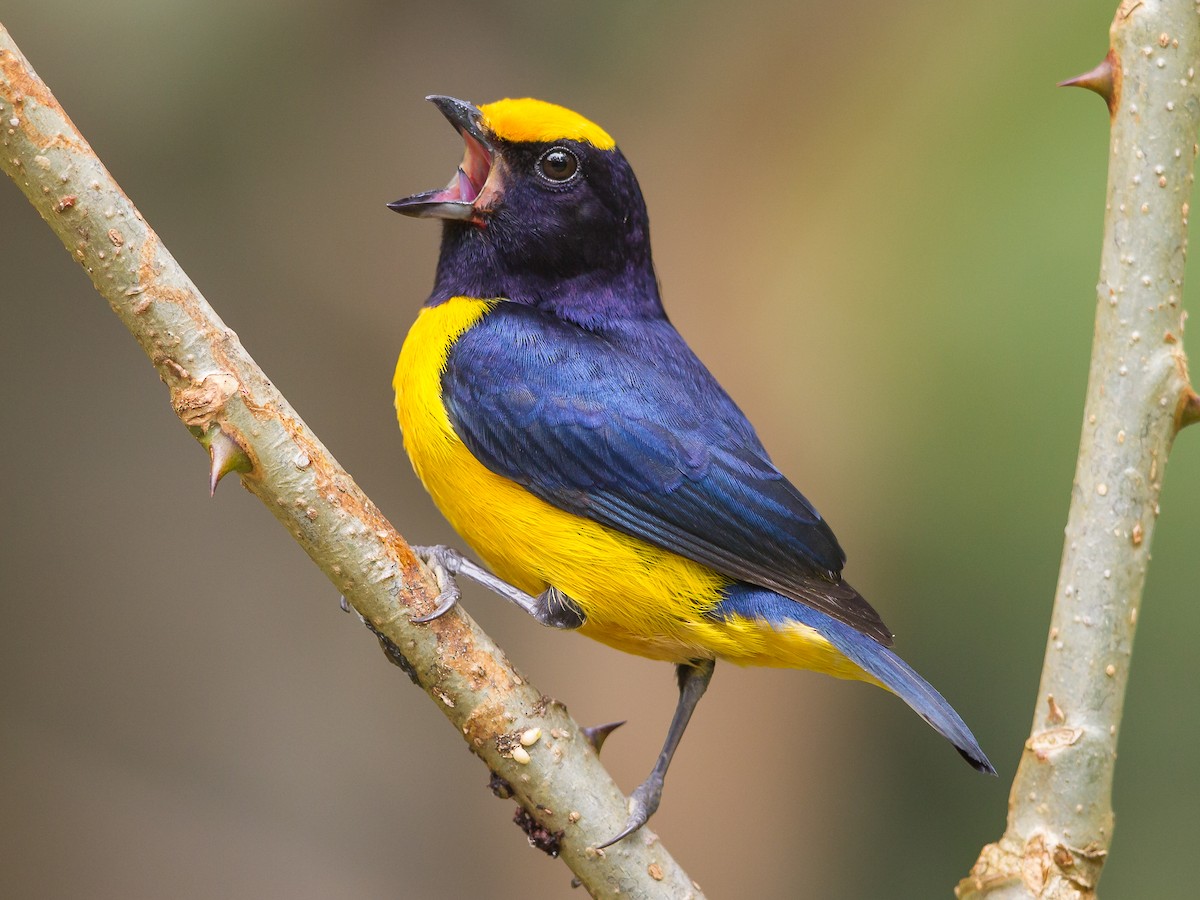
570, 802
1060, 820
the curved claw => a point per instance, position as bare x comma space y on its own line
440, 559
642, 805
446, 601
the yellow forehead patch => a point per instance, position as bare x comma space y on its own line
540, 122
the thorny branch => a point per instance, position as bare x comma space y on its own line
1060, 818
229, 405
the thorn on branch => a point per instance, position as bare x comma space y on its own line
1189, 410
1104, 80
226, 456
598, 734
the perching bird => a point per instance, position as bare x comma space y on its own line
578, 445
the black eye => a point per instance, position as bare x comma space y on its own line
558, 164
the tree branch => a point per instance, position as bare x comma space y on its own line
229, 405
1060, 818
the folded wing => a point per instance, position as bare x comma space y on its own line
628, 428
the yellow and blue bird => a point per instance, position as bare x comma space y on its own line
580, 447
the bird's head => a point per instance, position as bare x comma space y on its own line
543, 202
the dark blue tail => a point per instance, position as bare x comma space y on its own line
758, 603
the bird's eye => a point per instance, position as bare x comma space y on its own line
558, 164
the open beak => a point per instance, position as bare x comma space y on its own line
469, 190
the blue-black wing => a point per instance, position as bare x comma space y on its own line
628, 428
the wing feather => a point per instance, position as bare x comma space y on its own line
628, 428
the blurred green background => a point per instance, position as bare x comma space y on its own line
877, 222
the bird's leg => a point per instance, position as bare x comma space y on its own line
551, 607
693, 681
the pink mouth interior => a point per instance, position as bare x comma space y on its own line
472, 172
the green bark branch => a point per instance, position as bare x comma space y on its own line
233, 409
1060, 820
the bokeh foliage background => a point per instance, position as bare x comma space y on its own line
877, 222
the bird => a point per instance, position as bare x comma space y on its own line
577, 444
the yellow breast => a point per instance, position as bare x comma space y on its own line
636, 597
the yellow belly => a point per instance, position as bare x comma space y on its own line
635, 596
